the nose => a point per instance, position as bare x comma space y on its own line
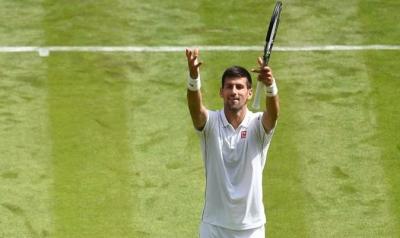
234, 90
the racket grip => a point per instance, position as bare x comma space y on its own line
257, 96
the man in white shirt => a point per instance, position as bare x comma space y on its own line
234, 144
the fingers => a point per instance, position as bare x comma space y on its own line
256, 70
198, 64
193, 62
264, 72
260, 61
192, 56
188, 53
196, 52
192, 53
262, 69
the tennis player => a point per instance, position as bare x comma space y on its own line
234, 143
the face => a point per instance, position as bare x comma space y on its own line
235, 93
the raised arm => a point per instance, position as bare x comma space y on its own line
198, 111
271, 112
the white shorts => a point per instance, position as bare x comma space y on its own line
211, 231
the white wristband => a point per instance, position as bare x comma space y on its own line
272, 90
194, 84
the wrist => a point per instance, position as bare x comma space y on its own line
271, 90
194, 84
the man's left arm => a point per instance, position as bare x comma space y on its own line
271, 112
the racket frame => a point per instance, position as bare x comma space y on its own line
269, 42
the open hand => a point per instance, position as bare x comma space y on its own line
193, 62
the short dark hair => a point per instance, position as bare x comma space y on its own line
237, 72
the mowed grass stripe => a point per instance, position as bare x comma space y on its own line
331, 106
283, 183
91, 146
91, 153
22, 23
381, 67
25, 149
25, 172
382, 72
343, 178
382, 24
168, 171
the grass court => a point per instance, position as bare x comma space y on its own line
96, 144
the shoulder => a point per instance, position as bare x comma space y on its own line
211, 121
213, 114
255, 117
255, 122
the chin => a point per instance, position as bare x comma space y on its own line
235, 108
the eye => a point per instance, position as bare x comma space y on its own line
240, 86
229, 86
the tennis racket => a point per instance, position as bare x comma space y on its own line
269, 42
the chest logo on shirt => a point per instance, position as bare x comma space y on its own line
243, 134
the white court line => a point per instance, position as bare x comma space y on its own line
45, 50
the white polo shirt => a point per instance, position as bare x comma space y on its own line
234, 161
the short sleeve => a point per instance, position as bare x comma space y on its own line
264, 136
211, 119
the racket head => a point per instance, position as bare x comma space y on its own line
271, 33
269, 42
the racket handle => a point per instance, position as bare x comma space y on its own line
257, 96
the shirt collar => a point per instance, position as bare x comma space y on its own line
245, 122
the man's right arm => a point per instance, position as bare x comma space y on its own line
198, 111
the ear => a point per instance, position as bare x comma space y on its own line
250, 93
220, 92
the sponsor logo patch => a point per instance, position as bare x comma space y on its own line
243, 134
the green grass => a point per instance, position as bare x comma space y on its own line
25, 148
90, 147
342, 171
101, 144
388, 117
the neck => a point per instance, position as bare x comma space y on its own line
235, 117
